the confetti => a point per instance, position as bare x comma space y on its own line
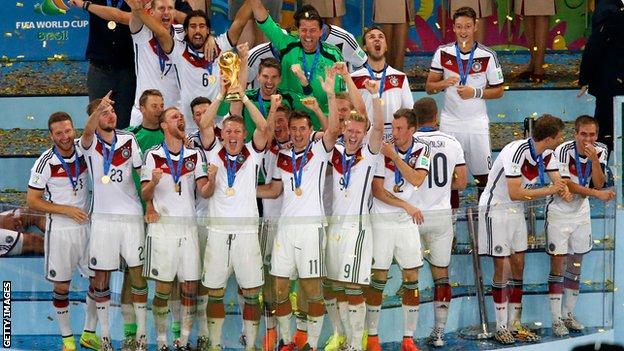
557, 20
8, 34
495, 22
556, 40
501, 115
437, 25
535, 48
576, 264
506, 87
534, 114
19, 56
44, 43
19, 4
509, 18
545, 65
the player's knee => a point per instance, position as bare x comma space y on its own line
410, 275
216, 293
380, 275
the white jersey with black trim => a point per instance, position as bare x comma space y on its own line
256, 55
271, 208
147, 66
352, 200
310, 203
396, 93
352, 53
446, 154
198, 77
514, 161
48, 174
238, 209
169, 200
458, 114
119, 195
565, 161
419, 158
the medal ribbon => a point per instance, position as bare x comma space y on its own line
427, 129
107, 154
176, 173
310, 73
298, 171
231, 167
539, 160
382, 81
72, 180
582, 177
201, 56
463, 74
397, 174
346, 168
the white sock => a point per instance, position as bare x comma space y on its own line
284, 328
357, 320
555, 306
128, 314
200, 314
372, 318
62, 316
569, 301
160, 322
331, 306
102, 315
140, 311
314, 327
302, 324
410, 319
441, 309
270, 321
188, 316
90, 314
215, 325
174, 308
343, 311
514, 311
501, 315
250, 330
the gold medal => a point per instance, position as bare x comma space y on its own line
396, 188
105, 179
212, 79
112, 25
229, 191
177, 188
298, 191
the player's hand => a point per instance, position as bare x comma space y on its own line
210, 49
329, 82
77, 3
135, 4
415, 213
582, 91
105, 105
558, 187
243, 50
224, 84
566, 195
341, 69
212, 172
317, 136
151, 216
450, 81
311, 103
298, 72
276, 101
372, 86
465, 92
76, 214
591, 152
238, 89
605, 195
388, 149
12, 221
157, 173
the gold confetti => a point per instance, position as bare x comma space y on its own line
506, 87
437, 25
558, 32
8, 34
501, 115
596, 241
528, 197
576, 264
545, 65
509, 18
556, 40
539, 324
19, 4
476, 181
495, 22
534, 114
535, 48
557, 20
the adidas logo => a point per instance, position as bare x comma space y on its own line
448, 62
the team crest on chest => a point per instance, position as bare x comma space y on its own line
125, 153
476, 66
189, 165
394, 81
412, 161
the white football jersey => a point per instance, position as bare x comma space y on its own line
458, 113
310, 203
256, 54
240, 209
198, 77
418, 159
169, 200
352, 200
446, 154
271, 207
147, 66
120, 195
396, 93
514, 161
564, 160
49, 175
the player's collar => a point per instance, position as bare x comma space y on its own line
325, 31
474, 46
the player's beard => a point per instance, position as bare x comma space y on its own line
65, 147
108, 129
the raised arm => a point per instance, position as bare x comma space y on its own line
104, 12
312, 103
377, 129
105, 106
243, 53
354, 92
243, 15
260, 13
260, 133
333, 129
206, 186
140, 16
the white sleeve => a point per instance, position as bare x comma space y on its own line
223, 42
148, 167
351, 50
137, 159
407, 100
177, 51
423, 160
277, 174
459, 160
380, 167
559, 161
40, 172
201, 167
512, 169
436, 64
494, 72
142, 36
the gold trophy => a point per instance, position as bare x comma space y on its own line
229, 63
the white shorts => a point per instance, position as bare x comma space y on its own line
268, 230
171, 250
436, 235
400, 241
300, 249
477, 151
11, 242
349, 253
202, 239
228, 253
65, 250
111, 239
502, 231
568, 236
